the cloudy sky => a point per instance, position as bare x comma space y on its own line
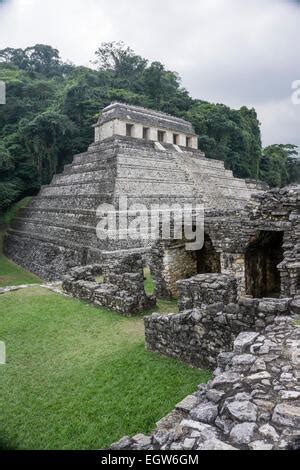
232, 51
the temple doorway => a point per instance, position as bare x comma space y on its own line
262, 257
208, 259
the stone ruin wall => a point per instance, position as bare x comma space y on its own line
210, 317
231, 234
178, 264
253, 399
251, 403
274, 211
121, 288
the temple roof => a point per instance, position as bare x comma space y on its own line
146, 117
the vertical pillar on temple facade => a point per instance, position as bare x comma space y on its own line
119, 127
182, 140
138, 131
194, 142
153, 134
169, 137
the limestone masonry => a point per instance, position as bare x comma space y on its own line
133, 121
149, 157
210, 317
122, 288
252, 402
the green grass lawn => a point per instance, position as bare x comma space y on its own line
13, 275
10, 273
163, 306
79, 377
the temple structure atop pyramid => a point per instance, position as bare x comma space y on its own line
134, 121
147, 156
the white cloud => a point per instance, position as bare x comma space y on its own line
281, 121
228, 51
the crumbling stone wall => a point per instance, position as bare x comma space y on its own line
206, 289
210, 317
178, 264
208, 259
251, 403
197, 336
122, 288
231, 233
169, 262
234, 264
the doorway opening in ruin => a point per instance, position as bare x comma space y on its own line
149, 281
129, 130
208, 259
188, 141
180, 263
161, 136
146, 131
262, 257
175, 139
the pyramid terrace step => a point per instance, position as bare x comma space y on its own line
46, 223
87, 205
98, 165
150, 166
138, 170
78, 189
156, 175
100, 245
225, 182
98, 149
208, 165
74, 211
57, 234
153, 187
71, 201
19, 234
132, 179
56, 217
150, 155
63, 188
198, 161
95, 154
210, 172
95, 157
83, 177
147, 164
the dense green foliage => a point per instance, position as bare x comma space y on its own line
279, 165
79, 377
52, 105
229, 135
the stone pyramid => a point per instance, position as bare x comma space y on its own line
57, 230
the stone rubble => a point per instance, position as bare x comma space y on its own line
239, 409
122, 288
214, 318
